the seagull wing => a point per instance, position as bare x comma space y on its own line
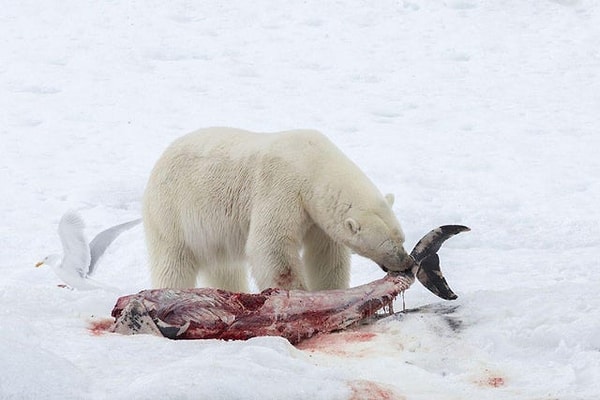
76, 257
102, 240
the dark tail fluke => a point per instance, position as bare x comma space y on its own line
425, 255
430, 276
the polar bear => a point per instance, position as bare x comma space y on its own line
289, 204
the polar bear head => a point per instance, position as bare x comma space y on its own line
375, 233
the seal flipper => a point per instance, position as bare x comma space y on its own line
430, 276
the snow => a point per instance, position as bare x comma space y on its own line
471, 112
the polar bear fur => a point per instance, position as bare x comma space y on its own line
290, 204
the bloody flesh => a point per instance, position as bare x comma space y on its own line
206, 313
296, 315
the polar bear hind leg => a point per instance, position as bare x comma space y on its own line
173, 266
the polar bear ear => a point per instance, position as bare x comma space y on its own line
352, 225
390, 199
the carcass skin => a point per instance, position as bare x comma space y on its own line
218, 314
206, 313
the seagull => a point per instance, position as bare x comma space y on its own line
79, 259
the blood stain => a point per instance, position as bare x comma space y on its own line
495, 381
101, 326
330, 342
368, 390
491, 379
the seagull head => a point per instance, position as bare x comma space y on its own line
53, 260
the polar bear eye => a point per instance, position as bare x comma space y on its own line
352, 225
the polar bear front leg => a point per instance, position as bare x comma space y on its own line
274, 258
327, 263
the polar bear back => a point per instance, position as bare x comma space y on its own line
240, 160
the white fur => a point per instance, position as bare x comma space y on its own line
288, 204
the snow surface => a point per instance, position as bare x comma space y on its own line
483, 113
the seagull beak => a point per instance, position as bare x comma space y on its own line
39, 264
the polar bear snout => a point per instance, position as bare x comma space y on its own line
400, 261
